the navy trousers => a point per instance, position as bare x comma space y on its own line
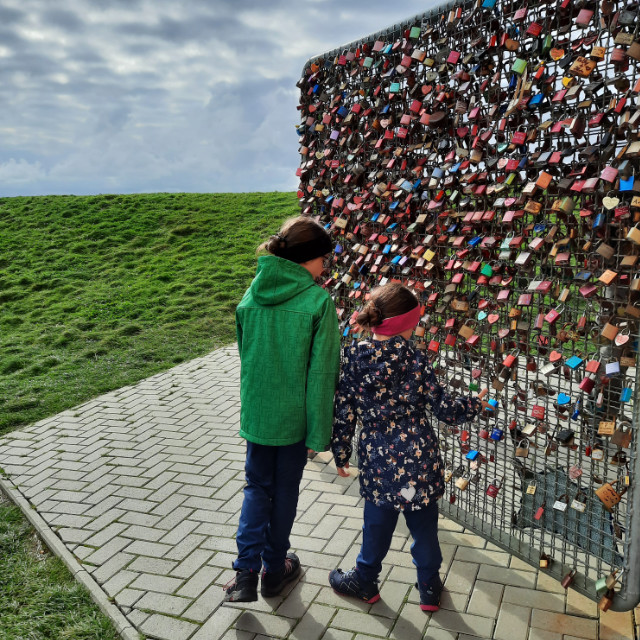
377, 531
273, 477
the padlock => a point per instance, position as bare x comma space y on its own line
483, 433
612, 368
539, 512
496, 434
494, 487
552, 316
472, 455
609, 496
605, 602
537, 412
568, 579
522, 449
592, 366
622, 435
634, 234
462, 483
579, 503
587, 384
545, 561
510, 359
561, 503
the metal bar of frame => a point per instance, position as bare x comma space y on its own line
508, 519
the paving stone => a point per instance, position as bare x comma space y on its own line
513, 622
360, 622
199, 582
162, 584
616, 625
485, 599
337, 634
313, 624
166, 628
535, 599
461, 623
561, 623
260, 622
163, 603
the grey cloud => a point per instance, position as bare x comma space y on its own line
137, 97
64, 19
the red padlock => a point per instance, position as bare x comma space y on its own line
552, 316
539, 513
511, 359
494, 487
587, 384
537, 412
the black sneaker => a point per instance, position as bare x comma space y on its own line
349, 583
274, 583
430, 594
243, 588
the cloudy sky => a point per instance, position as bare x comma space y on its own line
128, 96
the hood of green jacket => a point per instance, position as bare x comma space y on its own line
277, 280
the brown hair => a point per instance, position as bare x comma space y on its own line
299, 239
390, 300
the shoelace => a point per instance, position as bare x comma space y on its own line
231, 583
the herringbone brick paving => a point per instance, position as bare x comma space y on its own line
144, 485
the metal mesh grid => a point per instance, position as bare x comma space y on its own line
484, 155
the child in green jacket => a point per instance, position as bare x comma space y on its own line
289, 347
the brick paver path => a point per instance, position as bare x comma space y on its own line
139, 491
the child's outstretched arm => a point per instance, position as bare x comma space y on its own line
345, 417
322, 377
444, 406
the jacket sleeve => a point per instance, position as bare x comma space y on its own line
322, 377
345, 419
445, 407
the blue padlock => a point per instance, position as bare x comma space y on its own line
626, 185
576, 411
387, 248
375, 217
599, 221
574, 362
625, 396
488, 4
472, 455
496, 434
338, 249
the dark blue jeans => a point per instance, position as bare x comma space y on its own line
377, 531
273, 477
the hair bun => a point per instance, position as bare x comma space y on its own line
370, 316
276, 244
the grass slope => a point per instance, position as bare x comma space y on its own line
97, 293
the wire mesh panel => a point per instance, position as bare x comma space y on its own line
485, 156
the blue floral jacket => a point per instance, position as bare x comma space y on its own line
389, 387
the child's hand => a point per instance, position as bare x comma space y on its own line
343, 472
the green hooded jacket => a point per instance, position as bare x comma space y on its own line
289, 346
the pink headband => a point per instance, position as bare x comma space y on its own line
398, 324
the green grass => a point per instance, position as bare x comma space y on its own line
97, 293
39, 599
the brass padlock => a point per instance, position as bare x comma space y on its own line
606, 601
522, 449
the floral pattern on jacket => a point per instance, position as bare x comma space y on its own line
389, 387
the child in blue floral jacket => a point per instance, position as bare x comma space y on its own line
389, 387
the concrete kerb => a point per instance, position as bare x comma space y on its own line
55, 545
